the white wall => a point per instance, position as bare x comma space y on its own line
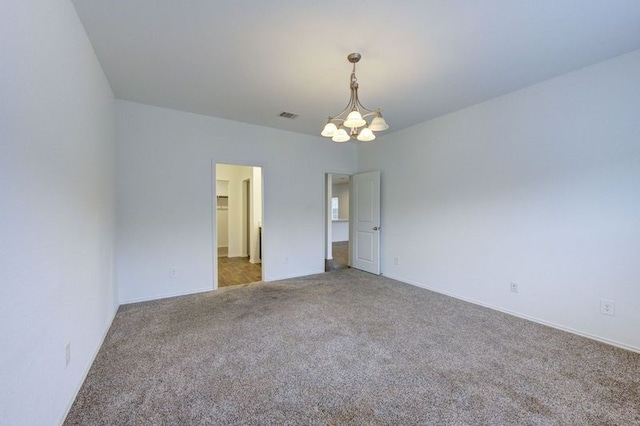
222, 212
341, 190
222, 227
164, 197
339, 230
57, 214
540, 187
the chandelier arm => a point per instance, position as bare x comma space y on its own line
364, 108
352, 102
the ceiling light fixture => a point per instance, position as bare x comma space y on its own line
353, 116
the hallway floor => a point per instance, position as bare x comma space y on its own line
237, 270
340, 259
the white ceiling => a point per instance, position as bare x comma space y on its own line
249, 60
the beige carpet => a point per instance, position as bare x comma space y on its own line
347, 347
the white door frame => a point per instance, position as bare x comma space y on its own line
328, 232
246, 216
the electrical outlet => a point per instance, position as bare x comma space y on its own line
514, 287
173, 272
396, 260
67, 354
608, 307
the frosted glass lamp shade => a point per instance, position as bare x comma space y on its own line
354, 119
378, 124
366, 135
329, 130
340, 135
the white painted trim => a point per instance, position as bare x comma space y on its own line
328, 229
88, 368
214, 226
519, 315
166, 295
299, 275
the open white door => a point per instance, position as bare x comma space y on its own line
366, 222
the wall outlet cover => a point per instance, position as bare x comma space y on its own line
608, 307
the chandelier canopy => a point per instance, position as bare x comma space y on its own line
354, 116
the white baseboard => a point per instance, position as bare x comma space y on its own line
296, 275
88, 367
166, 295
519, 315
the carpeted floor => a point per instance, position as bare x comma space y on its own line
347, 347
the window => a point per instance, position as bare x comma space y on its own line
334, 208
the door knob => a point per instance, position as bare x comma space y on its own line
375, 228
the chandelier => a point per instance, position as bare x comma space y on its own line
354, 115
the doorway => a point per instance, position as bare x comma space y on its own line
238, 212
337, 224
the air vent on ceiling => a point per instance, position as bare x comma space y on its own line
288, 115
